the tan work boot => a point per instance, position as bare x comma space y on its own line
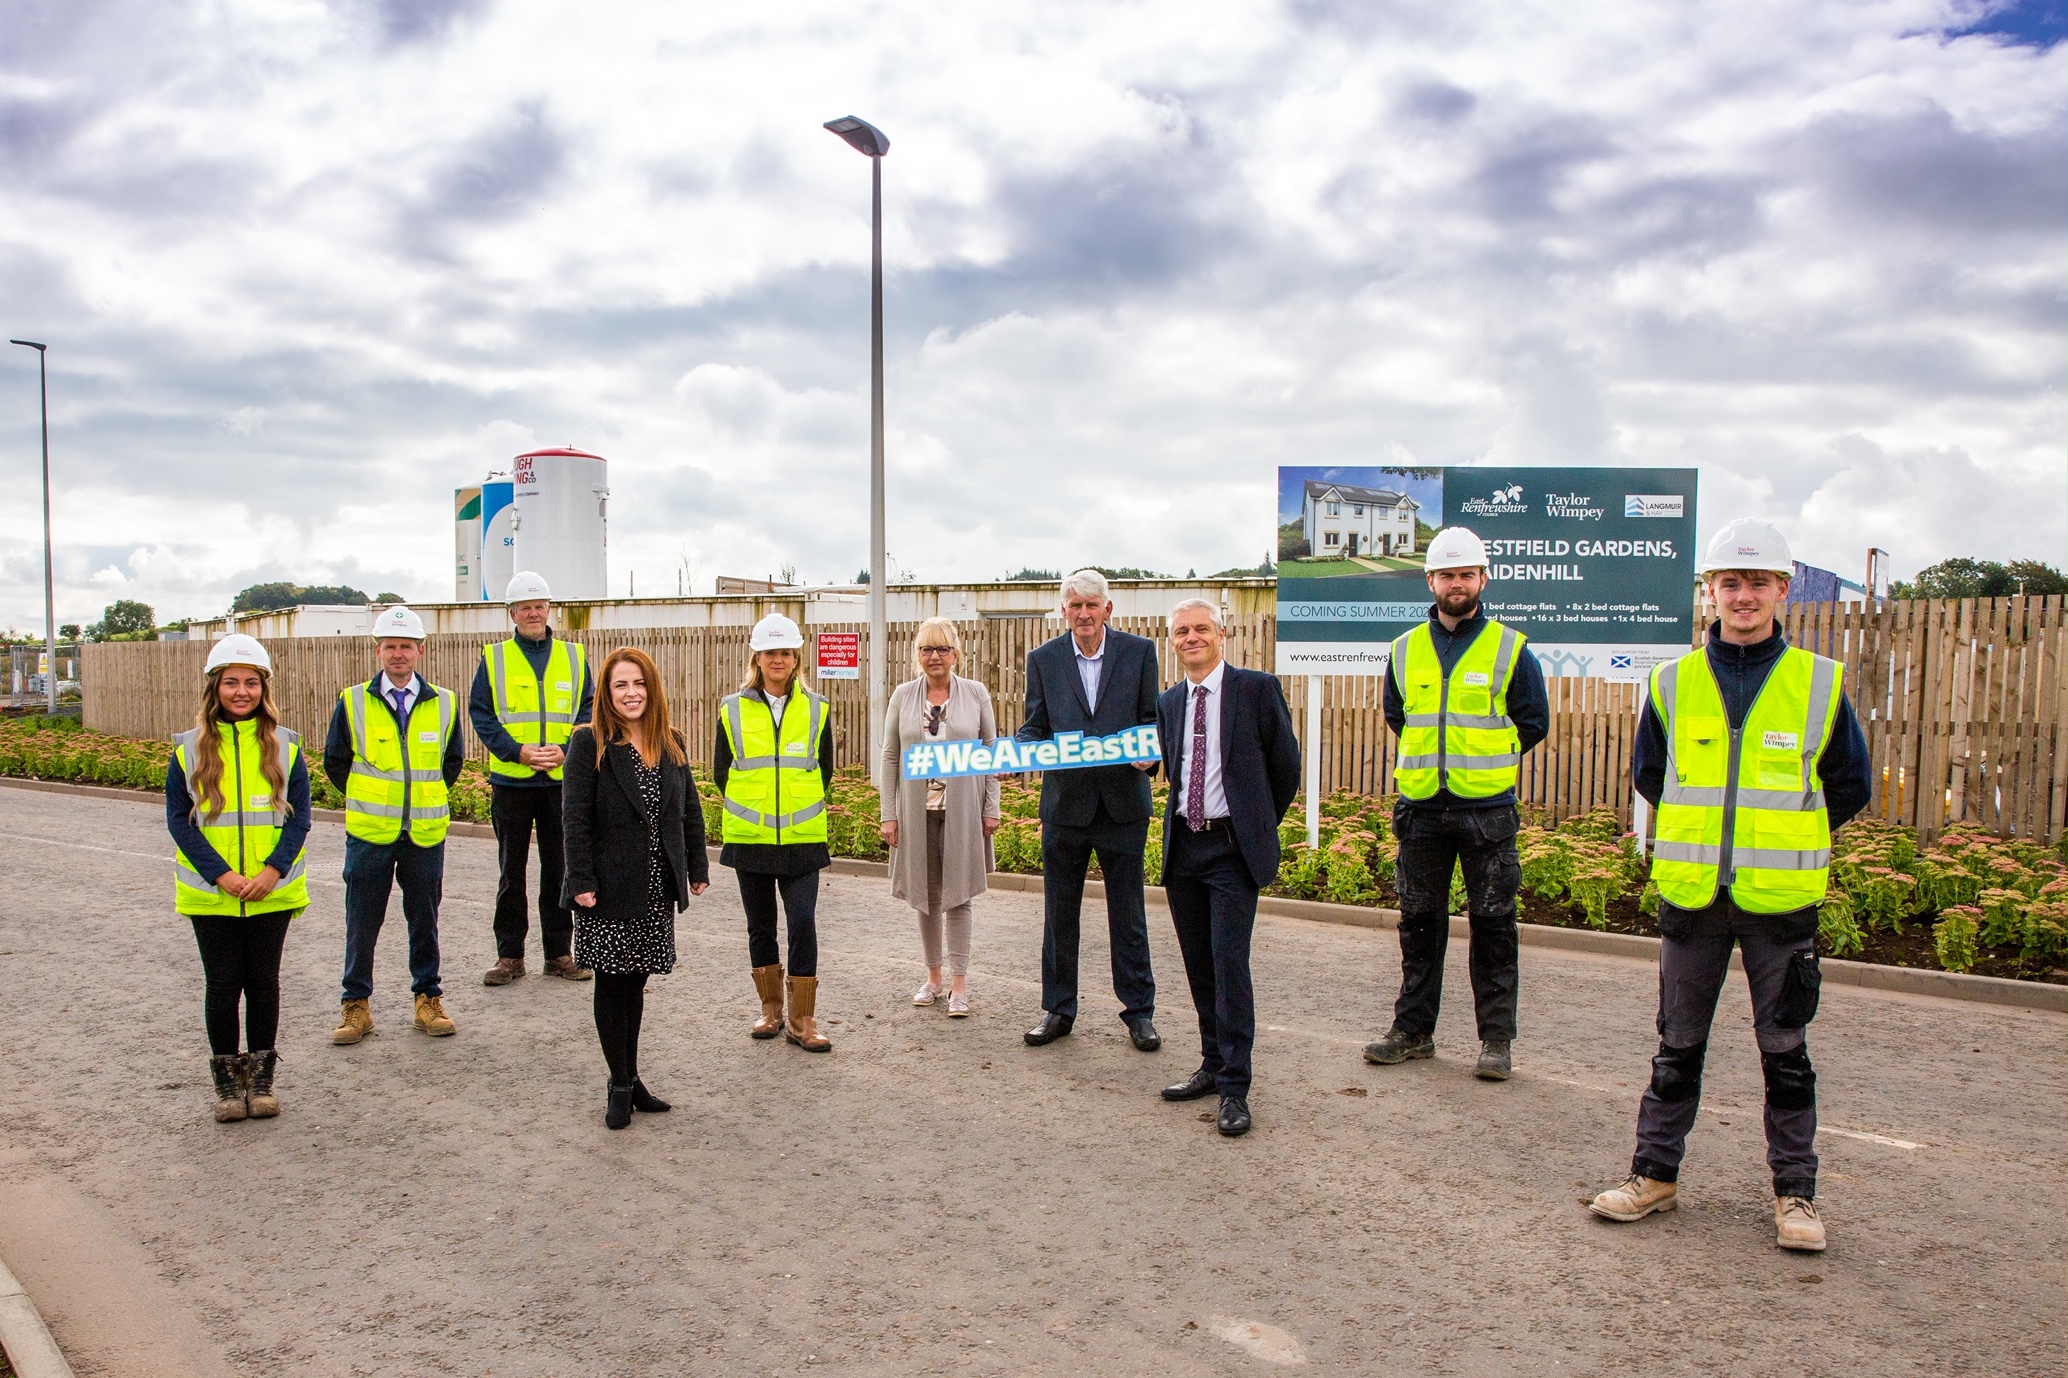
431, 1017
801, 1028
227, 1071
355, 1023
566, 970
258, 1084
1797, 1225
1635, 1199
505, 970
768, 984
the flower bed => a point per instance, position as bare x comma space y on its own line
1974, 902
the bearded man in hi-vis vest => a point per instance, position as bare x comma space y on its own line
1751, 754
1466, 699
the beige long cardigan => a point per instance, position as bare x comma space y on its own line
965, 851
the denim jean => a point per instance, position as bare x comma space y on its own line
371, 872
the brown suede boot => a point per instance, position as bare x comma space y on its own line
227, 1071
355, 1021
259, 1099
768, 984
505, 970
801, 1028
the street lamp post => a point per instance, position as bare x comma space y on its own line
49, 592
867, 139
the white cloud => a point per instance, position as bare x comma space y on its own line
305, 268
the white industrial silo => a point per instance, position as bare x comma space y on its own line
466, 544
498, 540
561, 533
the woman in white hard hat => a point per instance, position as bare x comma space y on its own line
939, 865
774, 761
237, 806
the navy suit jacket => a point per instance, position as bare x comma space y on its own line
1260, 763
1055, 703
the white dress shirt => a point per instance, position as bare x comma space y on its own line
1088, 667
388, 688
1216, 796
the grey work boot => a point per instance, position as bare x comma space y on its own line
1494, 1061
1398, 1046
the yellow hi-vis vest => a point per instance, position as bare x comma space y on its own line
1744, 808
773, 791
534, 712
245, 833
1458, 735
392, 783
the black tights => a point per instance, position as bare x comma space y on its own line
240, 959
620, 1005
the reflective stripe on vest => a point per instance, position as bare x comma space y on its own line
534, 711
394, 783
243, 835
774, 792
1454, 737
1743, 807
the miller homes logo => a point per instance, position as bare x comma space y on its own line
1506, 502
1654, 505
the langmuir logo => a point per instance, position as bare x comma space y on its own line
1506, 502
1654, 505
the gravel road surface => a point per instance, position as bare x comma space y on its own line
934, 1197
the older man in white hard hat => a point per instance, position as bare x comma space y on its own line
1751, 754
530, 692
394, 749
1466, 698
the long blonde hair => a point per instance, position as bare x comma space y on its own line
753, 679
208, 754
650, 736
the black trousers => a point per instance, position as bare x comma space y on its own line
1433, 842
515, 812
240, 961
1213, 906
620, 1006
801, 906
1066, 854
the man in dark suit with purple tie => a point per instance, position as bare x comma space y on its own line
1234, 767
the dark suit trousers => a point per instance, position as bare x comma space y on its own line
514, 812
1213, 905
1066, 853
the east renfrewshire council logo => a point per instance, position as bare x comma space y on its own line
1506, 502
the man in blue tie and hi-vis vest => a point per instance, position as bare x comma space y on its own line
1466, 699
1751, 754
394, 749
530, 692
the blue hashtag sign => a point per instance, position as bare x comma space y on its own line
1067, 751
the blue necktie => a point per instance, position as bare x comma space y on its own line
398, 695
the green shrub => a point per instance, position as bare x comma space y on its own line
1953, 936
1837, 926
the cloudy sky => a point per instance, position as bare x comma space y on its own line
305, 267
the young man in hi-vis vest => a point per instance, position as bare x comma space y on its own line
1466, 699
1751, 754
530, 692
394, 749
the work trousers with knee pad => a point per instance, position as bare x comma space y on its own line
1434, 843
1691, 975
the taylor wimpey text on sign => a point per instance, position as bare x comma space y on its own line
1066, 751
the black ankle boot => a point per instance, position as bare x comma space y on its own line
646, 1102
617, 1111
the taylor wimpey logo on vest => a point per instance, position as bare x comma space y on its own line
1654, 505
1506, 502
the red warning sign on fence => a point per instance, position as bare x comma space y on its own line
839, 655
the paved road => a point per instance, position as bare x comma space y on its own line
935, 1197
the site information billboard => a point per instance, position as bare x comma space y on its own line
1595, 566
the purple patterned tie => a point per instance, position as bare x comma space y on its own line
1195, 764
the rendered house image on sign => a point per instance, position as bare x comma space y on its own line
1339, 519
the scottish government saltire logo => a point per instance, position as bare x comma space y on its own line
1068, 751
1619, 663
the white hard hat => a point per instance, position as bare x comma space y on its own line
398, 621
238, 649
526, 587
776, 632
1456, 547
1748, 543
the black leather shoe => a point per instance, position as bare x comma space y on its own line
1144, 1035
1051, 1028
646, 1102
1200, 1083
1234, 1116
617, 1110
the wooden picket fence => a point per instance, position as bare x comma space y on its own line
1961, 701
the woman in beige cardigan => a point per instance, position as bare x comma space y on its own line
940, 865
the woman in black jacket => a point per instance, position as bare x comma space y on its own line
634, 831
